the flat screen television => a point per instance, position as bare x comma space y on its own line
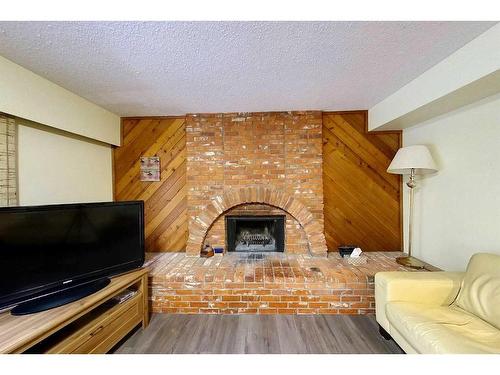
52, 255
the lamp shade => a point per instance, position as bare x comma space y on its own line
417, 157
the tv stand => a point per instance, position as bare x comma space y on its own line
93, 324
61, 297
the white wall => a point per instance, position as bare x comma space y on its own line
27, 95
467, 75
59, 167
458, 209
68, 158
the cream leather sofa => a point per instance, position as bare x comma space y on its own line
442, 312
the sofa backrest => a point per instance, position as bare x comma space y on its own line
480, 291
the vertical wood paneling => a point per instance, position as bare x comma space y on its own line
361, 200
164, 201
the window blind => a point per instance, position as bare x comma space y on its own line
8, 161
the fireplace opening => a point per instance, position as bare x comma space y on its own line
255, 233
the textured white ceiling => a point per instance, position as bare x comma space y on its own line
168, 68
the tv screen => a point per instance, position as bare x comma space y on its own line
43, 248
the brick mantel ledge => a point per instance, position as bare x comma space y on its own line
200, 225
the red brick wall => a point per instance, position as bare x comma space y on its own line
279, 150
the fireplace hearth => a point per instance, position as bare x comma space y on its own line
255, 233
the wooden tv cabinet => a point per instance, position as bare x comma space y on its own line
93, 324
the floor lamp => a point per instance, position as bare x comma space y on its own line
412, 160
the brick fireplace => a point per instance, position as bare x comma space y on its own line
264, 165
255, 164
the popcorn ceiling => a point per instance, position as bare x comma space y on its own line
173, 68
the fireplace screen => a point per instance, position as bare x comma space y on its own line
255, 233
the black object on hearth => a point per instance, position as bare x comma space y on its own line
346, 250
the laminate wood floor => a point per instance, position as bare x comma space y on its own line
258, 334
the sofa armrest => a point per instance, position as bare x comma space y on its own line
432, 288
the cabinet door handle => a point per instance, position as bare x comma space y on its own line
96, 331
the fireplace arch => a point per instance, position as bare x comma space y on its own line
220, 204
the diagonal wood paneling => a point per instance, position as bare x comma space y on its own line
361, 200
165, 201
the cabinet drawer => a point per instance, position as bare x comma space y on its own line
101, 333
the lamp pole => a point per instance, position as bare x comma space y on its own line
409, 261
411, 184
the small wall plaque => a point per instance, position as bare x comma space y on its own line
150, 168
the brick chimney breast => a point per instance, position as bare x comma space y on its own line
256, 164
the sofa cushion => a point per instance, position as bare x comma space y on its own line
480, 290
442, 329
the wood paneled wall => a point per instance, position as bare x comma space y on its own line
362, 202
165, 201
